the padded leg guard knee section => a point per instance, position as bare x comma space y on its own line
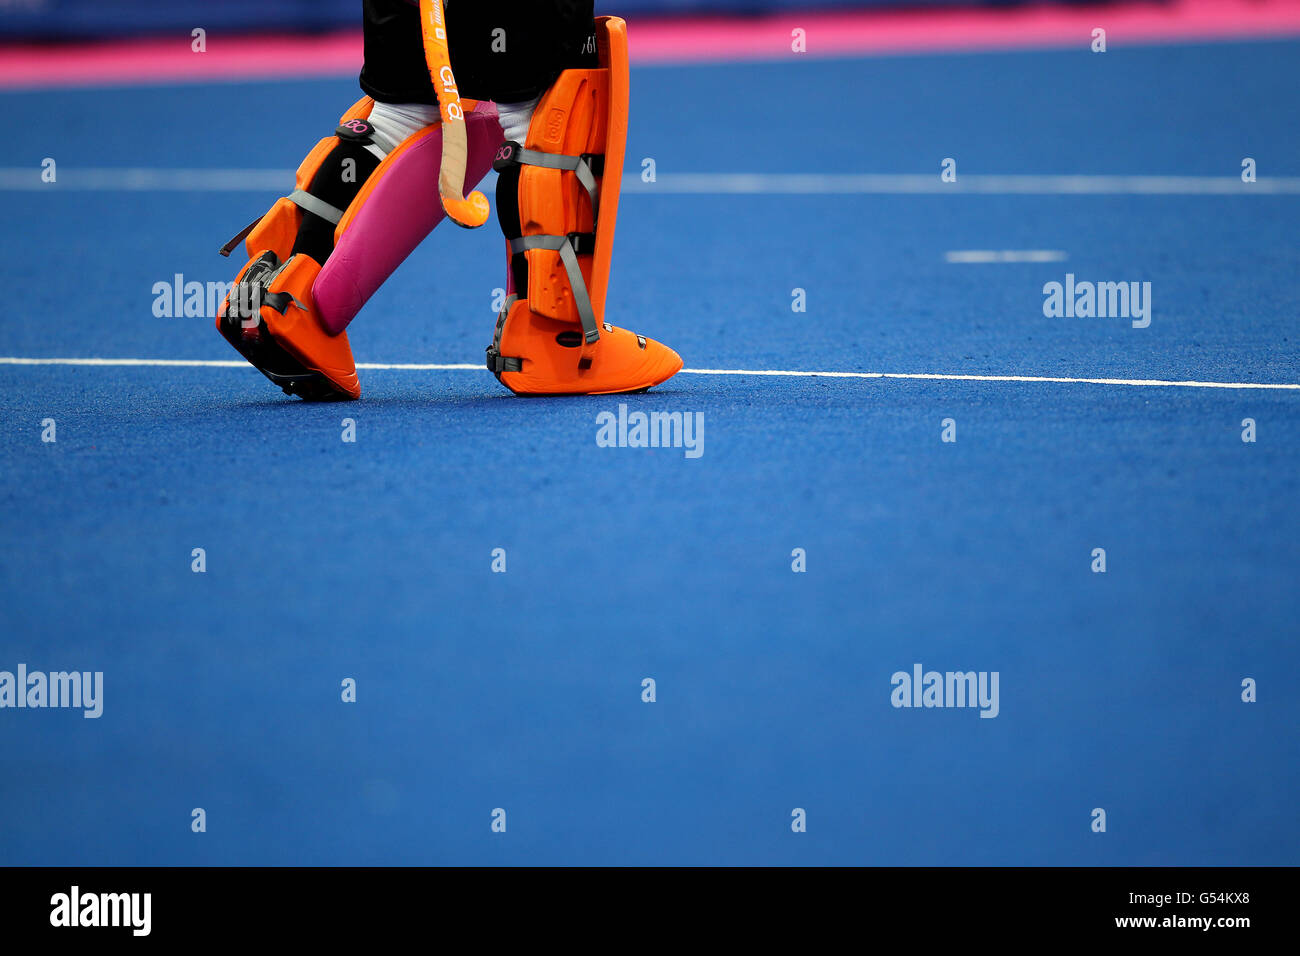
396, 208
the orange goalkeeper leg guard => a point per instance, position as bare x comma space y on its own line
557, 199
271, 319
362, 203
270, 315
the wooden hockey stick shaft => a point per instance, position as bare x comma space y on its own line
468, 211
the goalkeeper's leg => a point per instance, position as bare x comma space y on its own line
557, 201
364, 198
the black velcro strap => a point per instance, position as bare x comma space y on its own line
365, 133
506, 156
584, 243
510, 154
498, 363
358, 130
243, 234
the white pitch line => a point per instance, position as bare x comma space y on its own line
139, 179
214, 363
144, 179
171, 363
929, 183
944, 377
1004, 255
921, 376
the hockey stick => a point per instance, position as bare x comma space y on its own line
468, 211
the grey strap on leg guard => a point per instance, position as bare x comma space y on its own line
564, 246
380, 144
317, 207
580, 166
496, 362
303, 200
585, 168
300, 198
368, 136
363, 133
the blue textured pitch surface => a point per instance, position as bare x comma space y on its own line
328, 560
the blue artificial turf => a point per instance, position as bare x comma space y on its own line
522, 690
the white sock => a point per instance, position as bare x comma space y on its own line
397, 121
516, 117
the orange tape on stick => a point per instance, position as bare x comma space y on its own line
468, 211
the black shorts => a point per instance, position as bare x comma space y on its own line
502, 50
